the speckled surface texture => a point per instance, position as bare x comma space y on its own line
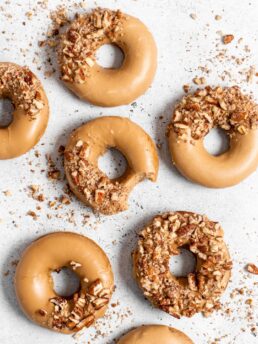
185, 43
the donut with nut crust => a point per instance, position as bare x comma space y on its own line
89, 142
200, 290
154, 334
34, 284
31, 111
106, 86
194, 116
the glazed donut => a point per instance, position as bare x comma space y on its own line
89, 142
30, 116
106, 86
200, 290
154, 334
195, 116
34, 285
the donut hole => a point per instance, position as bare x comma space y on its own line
182, 264
6, 112
66, 282
112, 163
216, 142
110, 56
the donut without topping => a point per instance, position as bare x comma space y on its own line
155, 334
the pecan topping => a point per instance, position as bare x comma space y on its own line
228, 39
82, 39
22, 87
252, 268
196, 114
79, 311
200, 290
103, 194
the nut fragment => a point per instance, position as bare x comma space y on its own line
99, 196
42, 312
103, 194
228, 39
252, 268
75, 265
186, 88
193, 16
54, 174
22, 86
79, 311
86, 322
218, 17
196, 114
163, 237
95, 287
100, 302
199, 81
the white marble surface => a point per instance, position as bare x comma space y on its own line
183, 45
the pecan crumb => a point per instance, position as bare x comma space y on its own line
75, 265
79, 311
252, 268
227, 39
186, 88
54, 174
193, 16
218, 17
32, 214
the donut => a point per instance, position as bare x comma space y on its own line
106, 86
30, 116
89, 142
154, 334
200, 290
34, 284
194, 116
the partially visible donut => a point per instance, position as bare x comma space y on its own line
155, 334
162, 238
34, 284
92, 140
106, 86
30, 116
194, 116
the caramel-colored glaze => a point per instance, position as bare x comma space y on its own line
227, 169
23, 133
126, 136
155, 334
33, 281
113, 87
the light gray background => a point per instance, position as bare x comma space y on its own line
183, 45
